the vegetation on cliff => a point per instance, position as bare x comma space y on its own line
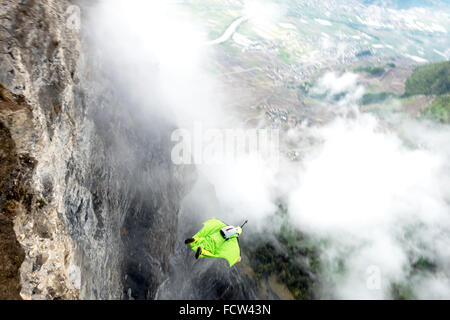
430, 79
439, 110
291, 257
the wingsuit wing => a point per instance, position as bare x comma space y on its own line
209, 236
209, 227
214, 245
230, 251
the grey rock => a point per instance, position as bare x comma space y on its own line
105, 198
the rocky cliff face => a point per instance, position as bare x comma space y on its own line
90, 200
89, 197
14, 170
38, 75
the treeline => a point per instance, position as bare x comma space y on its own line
430, 79
374, 71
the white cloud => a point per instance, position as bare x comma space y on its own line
378, 201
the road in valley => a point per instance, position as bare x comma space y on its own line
229, 31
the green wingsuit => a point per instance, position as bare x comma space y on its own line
214, 245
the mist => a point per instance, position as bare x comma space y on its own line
373, 197
158, 56
378, 197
